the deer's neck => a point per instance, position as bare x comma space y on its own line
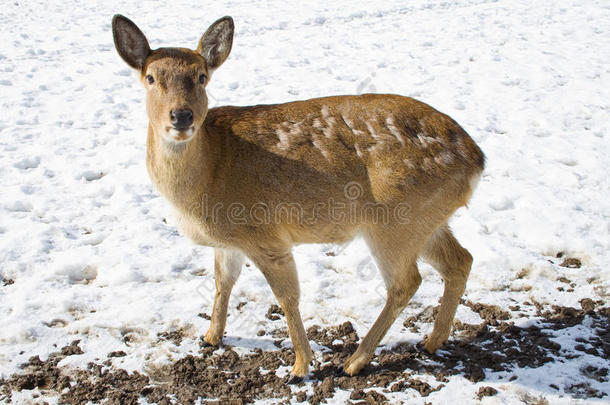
181, 172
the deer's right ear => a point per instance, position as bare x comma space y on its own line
129, 41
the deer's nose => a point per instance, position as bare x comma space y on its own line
181, 119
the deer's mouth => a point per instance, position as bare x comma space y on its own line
180, 134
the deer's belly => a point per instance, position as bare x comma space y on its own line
196, 230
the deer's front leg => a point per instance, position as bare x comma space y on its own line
227, 266
279, 269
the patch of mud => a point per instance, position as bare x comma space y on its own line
7, 281
341, 337
427, 315
583, 391
491, 314
174, 336
274, 313
220, 375
486, 392
571, 263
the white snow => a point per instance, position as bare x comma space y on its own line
93, 249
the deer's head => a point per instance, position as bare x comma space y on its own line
175, 78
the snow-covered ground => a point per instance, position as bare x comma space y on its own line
89, 250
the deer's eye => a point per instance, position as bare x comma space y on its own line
202, 78
150, 79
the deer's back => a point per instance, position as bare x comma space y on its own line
390, 144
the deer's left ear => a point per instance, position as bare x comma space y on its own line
130, 42
215, 45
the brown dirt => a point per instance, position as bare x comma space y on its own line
571, 262
174, 336
7, 281
425, 316
204, 316
491, 314
486, 392
221, 375
274, 313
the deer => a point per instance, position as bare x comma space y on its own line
219, 168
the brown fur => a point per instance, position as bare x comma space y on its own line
286, 164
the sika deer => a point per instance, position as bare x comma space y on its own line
254, 181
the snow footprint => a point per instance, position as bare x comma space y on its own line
77, 273
91, 175
133, 336
28, 163
19, 206
501, 203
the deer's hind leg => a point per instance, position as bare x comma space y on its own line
395, 250
453, 262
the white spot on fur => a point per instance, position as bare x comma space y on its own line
426, 140
358, 151
329, 121
284, 139
325, 112
374, 147
326, 124
462, 146
348, 122
408, 163
287, 133
321, 148
389, 122
444, 158
369, 128
295, 129
427, 163
382, 138
474, 181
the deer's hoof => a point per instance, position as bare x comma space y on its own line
432, 345
355, 363
300, 369
211, 338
